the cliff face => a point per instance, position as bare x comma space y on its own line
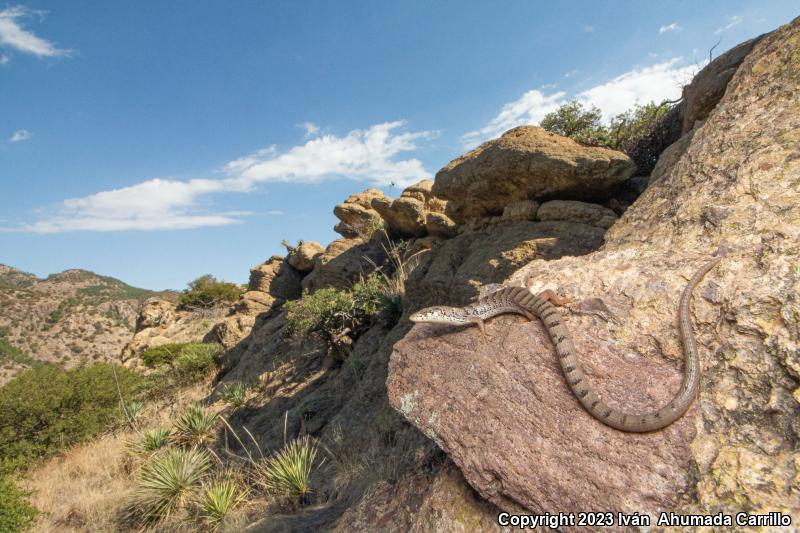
67, 318
732, 184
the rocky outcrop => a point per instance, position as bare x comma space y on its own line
585, 213
304, 257
154, 313
707, 88
342, 263
271, 284
735, 188
527, 163
408, 216
524, 210
356, 214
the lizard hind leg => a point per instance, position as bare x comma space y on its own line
553, 298
482, 328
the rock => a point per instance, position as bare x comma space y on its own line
585, 213
440, 225
275, 278
708, 86
527, 163
155, 313
670, 156
736, 447
524, 210
356, 213
343, 263
457, 267
404, 216
420, 191
304, 256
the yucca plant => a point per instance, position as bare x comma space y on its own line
195, 427
133, 410
234, 394
152, 440
288, 472
166, 481
218, 499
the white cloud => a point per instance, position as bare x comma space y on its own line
20, 135
571, 73
13, 35
364, 155
669, 27
311, 128
4, 58
661, 81
529, 109
732, 21
276, 212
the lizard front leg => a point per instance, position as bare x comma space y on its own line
482, 328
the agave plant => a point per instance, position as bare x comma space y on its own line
153, 440
218, 499
234, 393
132, 411
166, 481
288, 472
195, 427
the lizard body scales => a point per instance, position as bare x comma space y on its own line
521, 301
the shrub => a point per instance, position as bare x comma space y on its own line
9, 352
218, 499
579, 124
288, 472
46, 409
166, 481
190, 361
16, 513
195, 427
234, 394
340, 315
206, 291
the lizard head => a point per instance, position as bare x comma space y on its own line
439, 315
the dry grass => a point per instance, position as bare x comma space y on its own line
85, 488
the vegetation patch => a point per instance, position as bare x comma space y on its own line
206, 292
189, 361
47, 409
340, 315
10, 353
16, 513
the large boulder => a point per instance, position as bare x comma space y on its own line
528, 163
356, 213
342, 263
735, 188
275, 278
155, 312
406, 216
304, 256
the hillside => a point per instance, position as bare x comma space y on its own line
66, 318
325, 408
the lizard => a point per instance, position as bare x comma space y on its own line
520, 300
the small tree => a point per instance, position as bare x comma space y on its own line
576, 122
206, 291
626, 128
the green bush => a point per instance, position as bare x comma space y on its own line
206, 291
195, 427
16, 513
167, 481
9, 352
579, 124
631, 132
334, 312
234, 393
190, 361
46, 409
288, 472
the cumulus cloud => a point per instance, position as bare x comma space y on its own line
369, 155
732, 21
669, 27
13, 35
20, 135
661, 81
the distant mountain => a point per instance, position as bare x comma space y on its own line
66, 318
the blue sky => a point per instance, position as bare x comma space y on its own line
156, 141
